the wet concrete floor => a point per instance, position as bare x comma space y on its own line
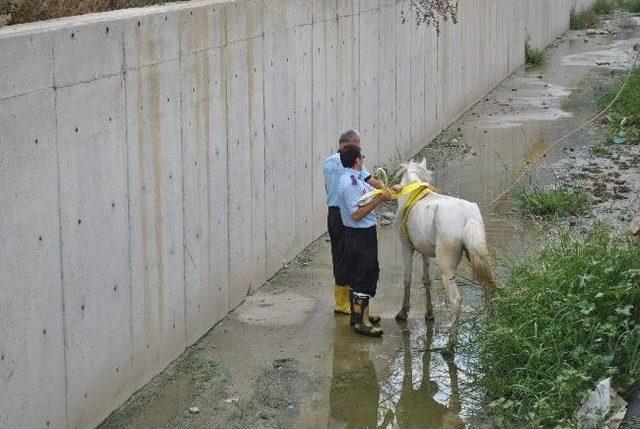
283, 359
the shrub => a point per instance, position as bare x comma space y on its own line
564, 322
632, 6
533, 56
556, 201
627, 106
584, 19
602, 7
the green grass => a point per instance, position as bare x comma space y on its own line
628, 105
584, 19
632, 6
533, 56
599, 149
564, 321
604, 7
556, 201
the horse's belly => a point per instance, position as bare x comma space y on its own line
427, 249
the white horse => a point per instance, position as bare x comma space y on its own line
446, 228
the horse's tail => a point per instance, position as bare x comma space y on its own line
477, 252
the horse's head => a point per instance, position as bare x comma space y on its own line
413, 171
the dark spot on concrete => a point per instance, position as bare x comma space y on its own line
107, 30
40, 238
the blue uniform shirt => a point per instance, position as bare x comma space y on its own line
333, 169
351, 187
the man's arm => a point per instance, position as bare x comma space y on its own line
362, 211
375, 182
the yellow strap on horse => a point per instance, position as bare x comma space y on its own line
416, 192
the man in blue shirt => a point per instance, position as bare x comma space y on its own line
333, 169
360, 257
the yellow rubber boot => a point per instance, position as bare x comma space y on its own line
341, 295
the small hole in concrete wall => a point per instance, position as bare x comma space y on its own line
197, 235
165, 18
174, 326
191, 12
2, 357
110, 119
138, 23
217, 152
117, 369
113, 204
194, 90
115, 288
76, 129
236, 75
79, 221
40, 238
195, 162
107, 30
48, 423
170, 176
44, 332
73, 35
82, 307
36, 141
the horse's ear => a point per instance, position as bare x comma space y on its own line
402, 168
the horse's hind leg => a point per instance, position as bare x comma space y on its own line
448, 258
407, 258
426, 282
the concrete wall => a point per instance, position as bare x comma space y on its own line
158, 164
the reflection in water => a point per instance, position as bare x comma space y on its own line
411, 398
408, 397
354, 394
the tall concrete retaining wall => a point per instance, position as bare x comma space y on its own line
158, 164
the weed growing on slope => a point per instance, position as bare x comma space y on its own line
533, 56
604, 7
556, 201
623, 130
632, 6
584, 19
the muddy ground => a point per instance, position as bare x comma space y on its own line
283, 359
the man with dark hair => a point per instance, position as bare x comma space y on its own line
360, 258
333, 169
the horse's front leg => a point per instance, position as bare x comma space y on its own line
407, 258
426, 282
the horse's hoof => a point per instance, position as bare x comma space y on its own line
401, 316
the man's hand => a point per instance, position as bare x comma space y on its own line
396, 188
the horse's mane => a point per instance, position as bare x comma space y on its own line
418, 168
